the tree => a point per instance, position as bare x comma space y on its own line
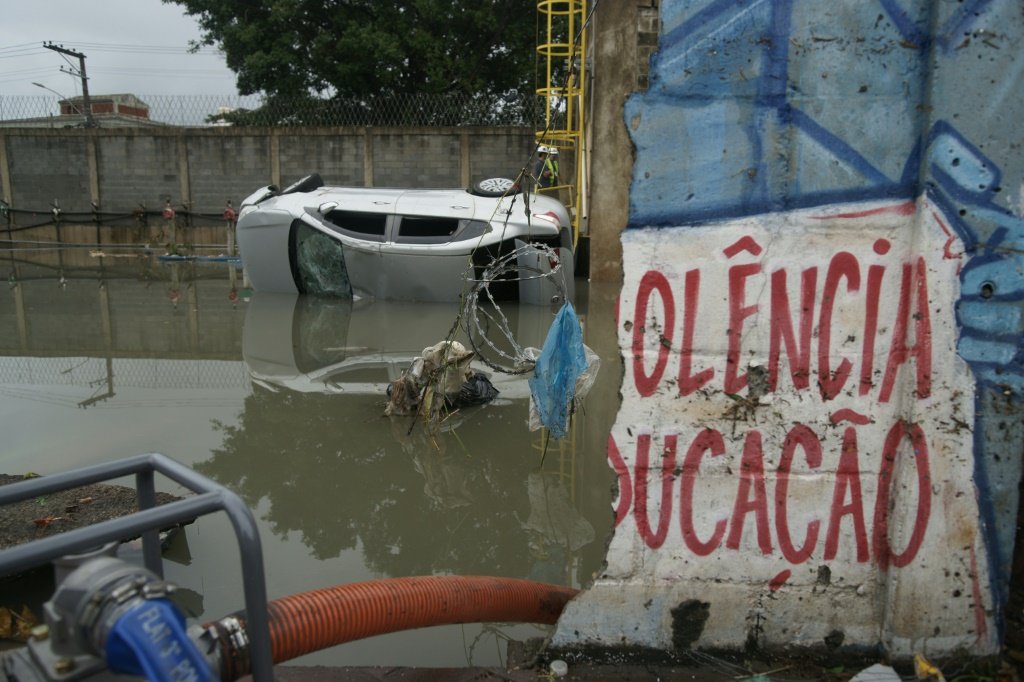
350, 49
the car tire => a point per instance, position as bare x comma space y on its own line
306, 184
494, 187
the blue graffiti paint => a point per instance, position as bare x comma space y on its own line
964, 185
948, 35
744, 116
732, 81
956, 26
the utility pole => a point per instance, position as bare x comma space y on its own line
87, 104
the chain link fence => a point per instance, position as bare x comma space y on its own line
400, 110
90, 374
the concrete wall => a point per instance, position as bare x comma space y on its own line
821, 325
205, 168
177, 317
623, 37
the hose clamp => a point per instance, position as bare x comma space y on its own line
234, 647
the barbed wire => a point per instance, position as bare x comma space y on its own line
482, 322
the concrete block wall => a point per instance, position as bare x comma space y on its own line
204, 319
337, 157
48, 168
154, 176
219, 166
437, 159
498, 156
203, 168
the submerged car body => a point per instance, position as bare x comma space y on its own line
403, 244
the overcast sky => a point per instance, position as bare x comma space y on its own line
131, 46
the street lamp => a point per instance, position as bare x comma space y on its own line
70, 103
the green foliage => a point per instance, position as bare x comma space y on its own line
350, 49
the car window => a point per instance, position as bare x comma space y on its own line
317, 323
318, 262
437, 230
412, 227
363, 225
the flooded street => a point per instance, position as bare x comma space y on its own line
281, 399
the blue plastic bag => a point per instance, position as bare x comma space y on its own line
562, 360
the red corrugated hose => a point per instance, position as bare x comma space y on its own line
315, 620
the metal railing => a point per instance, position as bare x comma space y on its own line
399, 110
210, 497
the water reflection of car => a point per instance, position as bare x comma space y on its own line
335, 346
403, 244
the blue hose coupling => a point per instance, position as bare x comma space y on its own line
150, 639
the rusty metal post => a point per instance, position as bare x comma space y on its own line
230, 220
168, 215
56, 212
97, 221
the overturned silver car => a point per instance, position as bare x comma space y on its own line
407, 244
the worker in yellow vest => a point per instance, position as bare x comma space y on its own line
546, 169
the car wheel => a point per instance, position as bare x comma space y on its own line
306, 184
494, 187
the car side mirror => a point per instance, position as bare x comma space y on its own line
327, 207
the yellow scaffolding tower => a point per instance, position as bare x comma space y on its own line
562, 50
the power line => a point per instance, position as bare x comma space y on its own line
127, 71
13, 47
116, 61
80, 72
20, 53
148, 49
25, 72
35, 48
34, 74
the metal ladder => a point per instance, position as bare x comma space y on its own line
147, 522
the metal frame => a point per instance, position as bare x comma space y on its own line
147, 522
565, 38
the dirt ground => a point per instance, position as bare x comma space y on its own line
22, 595
62, 511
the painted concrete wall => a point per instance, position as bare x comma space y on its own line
820, 321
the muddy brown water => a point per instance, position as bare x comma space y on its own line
281, 399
